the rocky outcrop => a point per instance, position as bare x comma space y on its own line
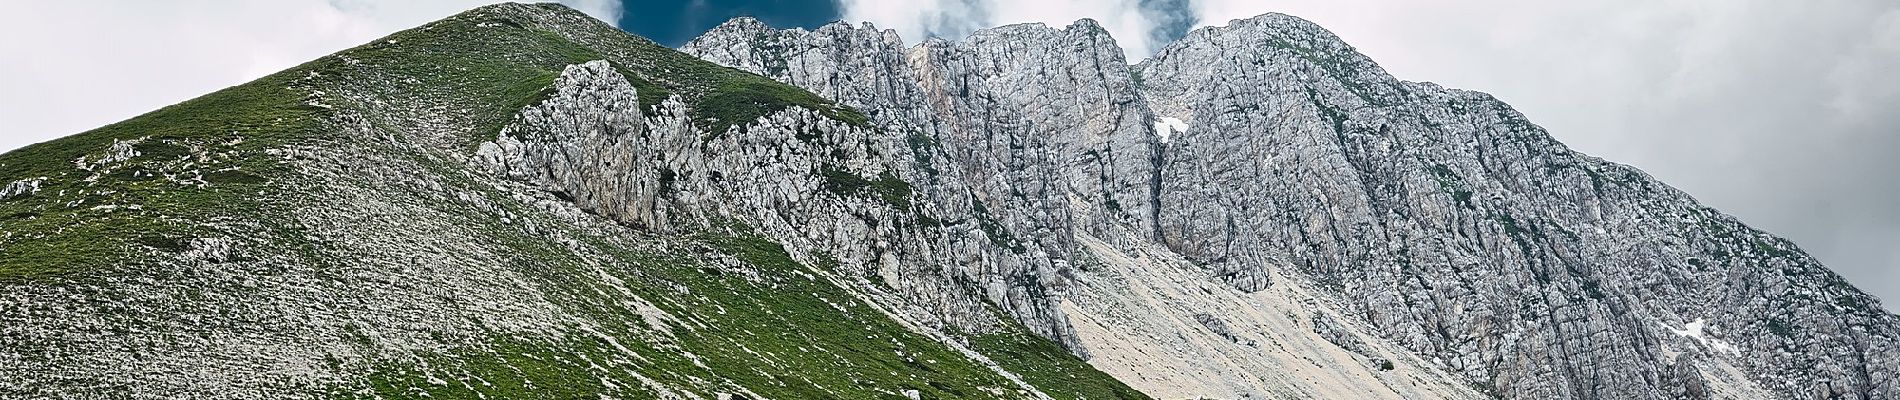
832, 193
1437, 219
21, 187
1044, 122
1464, 232
583, 143
1040, 127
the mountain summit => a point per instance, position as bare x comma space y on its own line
522, 202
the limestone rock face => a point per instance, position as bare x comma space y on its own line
1039, 120
521, 201
583, 142
1464, 232
832, 193
1428, 228
1038, 133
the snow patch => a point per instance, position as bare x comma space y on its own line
1694, 331
1167, 127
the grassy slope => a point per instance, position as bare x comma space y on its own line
1046, 365
785, 335
211, 146
781, 334
488, 65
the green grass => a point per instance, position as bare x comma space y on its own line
70, 228
490, 72
1453, 184
490, 67
456, 60
1340, 67
921, 148
1333, 114
508, 368
745, 98
887, 187
781, 333
651, 94
995, 231
523, 93
1045, 365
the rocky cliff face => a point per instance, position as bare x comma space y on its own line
519, 201
1433, 222
1040, 128
1464, 232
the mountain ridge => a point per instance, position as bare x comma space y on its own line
520, 201
374, 257
1341, 97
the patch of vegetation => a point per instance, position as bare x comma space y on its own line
483, 67
650, 94
1771, 249
809, 135
767, 326
805, 325
1341, 68
1779, 327
1522, 237
746, 98
509, 368
1332, 114
1450, 182
893, 190
161, 150
921, 148
1593, 289
86, 221
995, 230
234, 177
888, 187
524, 92
841, 182
1596, 180
1047, 366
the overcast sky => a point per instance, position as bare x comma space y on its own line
1782, 113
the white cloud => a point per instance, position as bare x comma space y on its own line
1126, 20
918, 19
71, 66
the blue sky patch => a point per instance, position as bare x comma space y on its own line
673, 22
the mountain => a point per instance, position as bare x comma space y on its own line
468, 210
522, 202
